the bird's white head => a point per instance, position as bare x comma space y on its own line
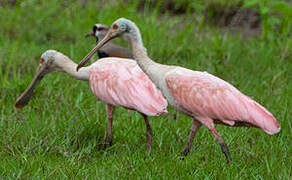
122, 27
50, 61
126, 28
98, 31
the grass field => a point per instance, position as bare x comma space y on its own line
59, 134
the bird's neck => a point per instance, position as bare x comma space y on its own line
68, 66
140, 52
155, 71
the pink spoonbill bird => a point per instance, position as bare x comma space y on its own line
114, 81
110, 49
206, 98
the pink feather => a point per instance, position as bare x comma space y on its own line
123, 83
207, 96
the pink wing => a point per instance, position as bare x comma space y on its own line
208, 96
123, 83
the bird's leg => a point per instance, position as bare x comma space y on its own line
208, 122
194, 128
148, 132
175, 115
109, 111
223, 145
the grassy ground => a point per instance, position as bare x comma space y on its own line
58, 135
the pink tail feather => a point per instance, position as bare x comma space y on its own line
263, 118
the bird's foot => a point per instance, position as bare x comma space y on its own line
107, 143
110, 142
225, 150
185, 151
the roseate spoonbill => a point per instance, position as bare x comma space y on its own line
206, 98
114, 81
110, 49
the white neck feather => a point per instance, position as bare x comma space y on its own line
155, 71
139, 51
64, 64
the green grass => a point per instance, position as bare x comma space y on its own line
58, 135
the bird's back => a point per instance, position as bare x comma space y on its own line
120, 82
206, 95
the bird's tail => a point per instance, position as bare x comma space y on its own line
263, 118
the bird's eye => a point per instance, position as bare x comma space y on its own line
100, 29
42, 60
115, 26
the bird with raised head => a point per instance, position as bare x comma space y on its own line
110, 49
114, 81
207, 99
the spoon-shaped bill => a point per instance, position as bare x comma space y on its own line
24, 98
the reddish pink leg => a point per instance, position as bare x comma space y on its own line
208, 122
148, 132
194, 128
223, 145
109, 112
